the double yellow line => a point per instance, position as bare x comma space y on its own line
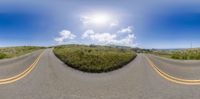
23, 74
172, 78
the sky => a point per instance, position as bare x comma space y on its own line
134, 23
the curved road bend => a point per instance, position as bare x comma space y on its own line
51, 79
184, 69
14, 66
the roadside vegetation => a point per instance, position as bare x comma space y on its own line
10, 52
94, 58
190, 54
140, 50
184, 54
162, 53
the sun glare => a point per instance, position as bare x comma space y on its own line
100, 19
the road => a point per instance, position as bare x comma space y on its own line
52, 79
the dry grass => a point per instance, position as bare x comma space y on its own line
9, 52
94, 58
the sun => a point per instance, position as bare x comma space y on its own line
96, 19
100, 19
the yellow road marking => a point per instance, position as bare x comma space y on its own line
23, 74
172, 78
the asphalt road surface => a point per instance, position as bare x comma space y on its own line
51, 79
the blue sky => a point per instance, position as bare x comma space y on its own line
136, 23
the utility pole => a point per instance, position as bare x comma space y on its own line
191, 45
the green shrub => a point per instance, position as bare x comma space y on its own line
189, 54
94, 58
2, 55
9, 52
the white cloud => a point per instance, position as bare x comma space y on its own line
129, 29
114, 23
129, 40
85, 20
64, 35
100, 37
110, 38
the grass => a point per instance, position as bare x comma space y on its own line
187, 54
10, 52
94, 58
166, 54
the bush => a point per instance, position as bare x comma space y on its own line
189, 54
2, 55
9, 52
94, 58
